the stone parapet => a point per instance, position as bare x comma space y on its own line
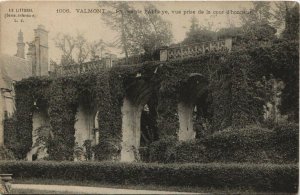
193, 50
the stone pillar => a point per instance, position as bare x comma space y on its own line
185, 114
40, 118
131, 131
84, 124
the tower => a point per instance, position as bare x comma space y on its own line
20, 46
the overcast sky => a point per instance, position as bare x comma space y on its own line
93, 27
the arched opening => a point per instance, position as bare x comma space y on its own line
185, 114
202, 116
96, 129
84, 125
149, 132
86, 130
40, 131
191, 106
135, 116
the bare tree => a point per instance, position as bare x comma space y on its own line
82, 47
66, 44
76, 49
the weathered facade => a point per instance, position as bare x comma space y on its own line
124, 109
16, 68
12, 69
134, 105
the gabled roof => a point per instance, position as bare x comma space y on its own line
13, 68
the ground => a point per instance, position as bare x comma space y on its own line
38, 186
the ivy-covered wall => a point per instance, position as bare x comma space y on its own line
230, 97
30, 92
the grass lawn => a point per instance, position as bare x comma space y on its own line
106, 185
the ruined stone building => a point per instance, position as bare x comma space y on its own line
140, 93
135, 106
18, 67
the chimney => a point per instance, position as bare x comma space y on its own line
20, 46
41, 51
32, 57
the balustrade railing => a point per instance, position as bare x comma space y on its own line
75, 69
193, 50
166, 54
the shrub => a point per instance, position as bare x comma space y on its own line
249, 144
259, 177
163, 150
144, 154
190, 151
6, 154
287, 141
107, 150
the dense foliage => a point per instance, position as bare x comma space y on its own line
233, 97
6, 154
33, 94
103, 91
264, 177
250, 144
10, 134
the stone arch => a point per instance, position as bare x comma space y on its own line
193, 91
149, 127
96, 129
138, 93
86, 128
40, 119
86, 124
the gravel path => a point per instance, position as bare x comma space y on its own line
89, 190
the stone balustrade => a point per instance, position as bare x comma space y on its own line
193, 50
166, 54
75, 69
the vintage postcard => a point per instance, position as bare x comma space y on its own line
149, 97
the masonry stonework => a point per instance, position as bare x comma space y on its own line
38, 52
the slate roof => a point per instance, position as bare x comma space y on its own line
13, 68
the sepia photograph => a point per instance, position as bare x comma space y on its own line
149, 97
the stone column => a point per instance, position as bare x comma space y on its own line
131, 131
185, 114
